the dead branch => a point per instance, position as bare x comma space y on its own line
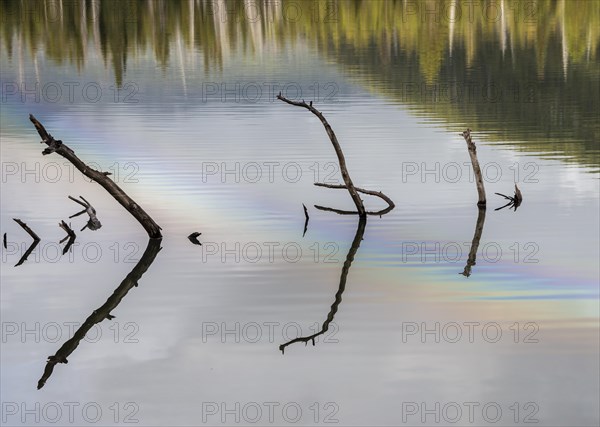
475, 243
513, 202
101, 178
360, 232
27, 253
27, 229
93, 223
338, 151
476, 169
70, 235
379, 194
102, 312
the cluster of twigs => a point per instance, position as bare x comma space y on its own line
93, 224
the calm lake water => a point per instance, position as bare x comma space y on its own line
178, 101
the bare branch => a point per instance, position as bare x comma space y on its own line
379, 194
101, 178
93, 223
70, 235
476, 169
27, 229
338, 151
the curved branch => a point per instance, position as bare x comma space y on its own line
379, 194
338, 151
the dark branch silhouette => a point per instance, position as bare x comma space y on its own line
306, 220
475, 243
379, 194
70, 235
35, 237
360, 231
102, 312
476, 169
93, 223
194, 238
513, 202
338, 151
27, 229
101, 178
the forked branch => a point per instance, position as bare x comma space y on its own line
93, 223
338, 151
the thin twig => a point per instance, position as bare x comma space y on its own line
306, 221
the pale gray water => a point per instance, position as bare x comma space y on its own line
168, 358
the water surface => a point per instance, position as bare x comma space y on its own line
177, 100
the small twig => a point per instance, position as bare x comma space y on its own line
379, 194
70, 235
27, 253
194, 238
35, 237
475, 242
93, 223
514, 202
306, 221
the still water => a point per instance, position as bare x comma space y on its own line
178, 101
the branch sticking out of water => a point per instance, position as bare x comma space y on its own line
93, 223
70, 235
338, 151
57, 146
476, 169
379, 194
513, 202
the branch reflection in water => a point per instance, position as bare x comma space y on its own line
103, 312
475, 243
360, 231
